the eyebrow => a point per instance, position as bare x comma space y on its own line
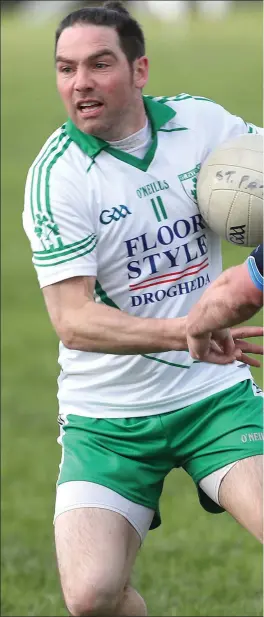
95, 56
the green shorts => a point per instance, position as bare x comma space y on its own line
132, 456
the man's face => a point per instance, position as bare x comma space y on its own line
100, 90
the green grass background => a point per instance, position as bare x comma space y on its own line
195, 563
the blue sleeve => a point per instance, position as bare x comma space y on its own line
255, 266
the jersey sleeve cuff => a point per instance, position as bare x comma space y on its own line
66, 273
254, 273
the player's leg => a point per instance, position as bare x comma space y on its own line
96, 549
110, 481
241, 494
224, 453
132, 604
238, 487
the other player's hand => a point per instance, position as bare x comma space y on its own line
225, 346
244, 347
215, 347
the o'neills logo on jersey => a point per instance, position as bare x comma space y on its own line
153, 187
174, 262
189, 182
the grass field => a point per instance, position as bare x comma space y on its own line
195, 563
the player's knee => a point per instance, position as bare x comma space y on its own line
257, 525
260, 534
92, 600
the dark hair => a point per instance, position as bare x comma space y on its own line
113, 15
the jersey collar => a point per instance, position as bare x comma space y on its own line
158, 114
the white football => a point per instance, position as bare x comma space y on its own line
230, 190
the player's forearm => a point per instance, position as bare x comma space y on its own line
221, 314
103, 329
227, 302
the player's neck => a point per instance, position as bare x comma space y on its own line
132, 121
134, 140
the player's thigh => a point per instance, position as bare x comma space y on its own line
241, 494
222, 429
96, 549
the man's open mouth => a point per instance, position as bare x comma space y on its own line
89, 105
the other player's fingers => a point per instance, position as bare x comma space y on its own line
215, 346
242, 357
224, 340
249, 347
247, 331
219, 358
198, 347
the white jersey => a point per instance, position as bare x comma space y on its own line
133, 223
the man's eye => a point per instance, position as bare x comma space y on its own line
65, 69
101, 65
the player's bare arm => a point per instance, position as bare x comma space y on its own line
83, 324
229, 300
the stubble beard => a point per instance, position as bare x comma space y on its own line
112, 128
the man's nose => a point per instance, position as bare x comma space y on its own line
83, 80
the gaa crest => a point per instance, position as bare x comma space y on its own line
189, 182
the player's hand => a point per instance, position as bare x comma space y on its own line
244, 347
215, 347
225, 346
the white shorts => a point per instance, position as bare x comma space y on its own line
81, 494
